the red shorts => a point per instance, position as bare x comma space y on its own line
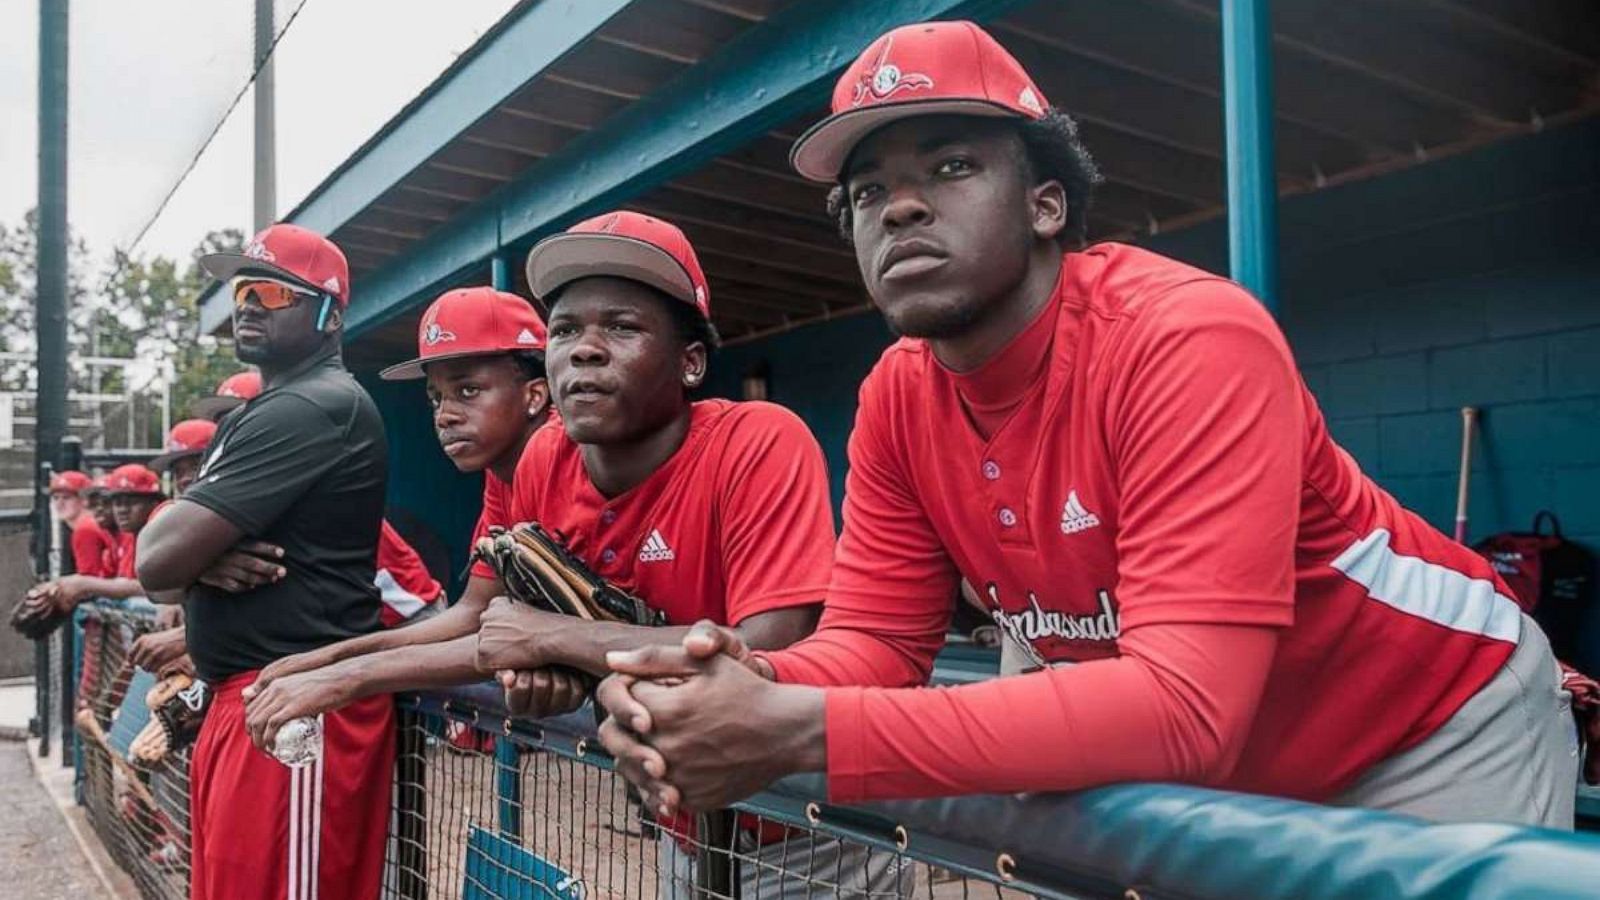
264, 830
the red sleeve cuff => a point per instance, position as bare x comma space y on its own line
481, 569
846, 738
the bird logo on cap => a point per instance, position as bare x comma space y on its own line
258, 250
332, 284
433, 334
526, 337
884, 79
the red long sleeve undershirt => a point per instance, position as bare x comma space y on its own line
1174, 707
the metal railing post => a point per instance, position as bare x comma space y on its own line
71, 456
1252, 172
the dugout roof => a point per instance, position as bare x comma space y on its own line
686, 109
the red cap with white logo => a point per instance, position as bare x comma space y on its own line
68, 481
133, 479
477, 321
231, 394
290, 254
625, 245
932, 68
187, 438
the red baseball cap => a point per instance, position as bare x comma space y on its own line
69, 481
476, 321
624, 244
231, 393
187, 438
930, 68
291, 254
133, 479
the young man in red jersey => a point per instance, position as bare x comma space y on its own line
706, 509
69, 504
482, 354
1117, 450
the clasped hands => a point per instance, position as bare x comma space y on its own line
694, 725
699, 725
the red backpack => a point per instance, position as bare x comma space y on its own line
1552, 577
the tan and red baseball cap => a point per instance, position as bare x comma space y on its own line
476, 321
232, 393
625, 245
187, 438
291, 254
133, 479
931, 68
69, 481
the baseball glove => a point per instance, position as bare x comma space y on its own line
35, 616
178, 705
539, 570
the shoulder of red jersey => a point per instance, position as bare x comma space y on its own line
749, 415
1120, 281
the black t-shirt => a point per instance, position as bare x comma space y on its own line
302, 466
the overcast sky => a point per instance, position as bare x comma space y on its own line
148, 79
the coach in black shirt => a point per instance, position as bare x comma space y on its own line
271, 552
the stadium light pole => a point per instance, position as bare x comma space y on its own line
1252, 172
266, 167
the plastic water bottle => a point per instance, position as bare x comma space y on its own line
299, 742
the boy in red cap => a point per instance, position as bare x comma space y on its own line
92, 545
98, 549
482, 354
1117, 450
185, 443
234, 391
302, 469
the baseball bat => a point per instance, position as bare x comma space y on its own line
1469, 418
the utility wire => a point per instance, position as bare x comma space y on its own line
254, 74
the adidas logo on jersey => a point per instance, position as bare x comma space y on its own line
1075, 518
655, 548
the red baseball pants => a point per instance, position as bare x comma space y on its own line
264, 830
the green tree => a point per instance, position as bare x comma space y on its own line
139, 307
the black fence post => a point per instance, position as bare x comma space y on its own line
43, 536
71, 457
411, 808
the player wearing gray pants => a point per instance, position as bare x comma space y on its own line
1513, 743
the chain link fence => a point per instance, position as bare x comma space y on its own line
487, 807
140, 811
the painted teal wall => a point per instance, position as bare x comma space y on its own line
422, 482
1470, 280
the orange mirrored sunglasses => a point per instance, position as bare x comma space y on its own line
273, 295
